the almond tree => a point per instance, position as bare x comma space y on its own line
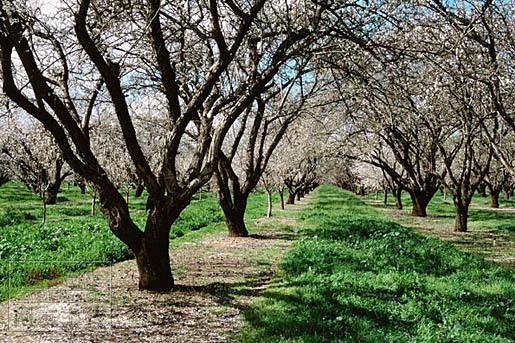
261, 128
489, 30
31, 156
496, 180
180, 56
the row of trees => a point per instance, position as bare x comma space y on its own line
196, 71
168, 96
429, 104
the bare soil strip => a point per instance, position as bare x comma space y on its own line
216, 278
494, 245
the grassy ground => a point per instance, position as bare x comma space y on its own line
480, 215
216, 277
491, 232
359, 277
32, 254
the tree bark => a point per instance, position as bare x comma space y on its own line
82, 186
291, 198
94, 204
52, 191
420, 202
398, 200
460, 224
233, 208
506, 195
281, 195
385, 197
234, 219
139, 190
269, 198
153, 261
494, 199
482, 190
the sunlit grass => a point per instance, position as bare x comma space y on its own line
358, 277
72, 234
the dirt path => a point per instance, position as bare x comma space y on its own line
216, 278
494, 245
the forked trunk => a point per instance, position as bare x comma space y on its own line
494, 199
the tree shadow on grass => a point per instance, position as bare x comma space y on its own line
275, 236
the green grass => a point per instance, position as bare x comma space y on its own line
478, 218
358, 277
32, 255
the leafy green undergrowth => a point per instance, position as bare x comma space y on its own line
357, 277
32, 255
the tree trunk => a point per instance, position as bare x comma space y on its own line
281, 195
82, 186
44, 212
139, 190
291, 198
506, 195
482, 190
269, 198
420, 203
494, 199
385, 197
398, 200
234, 219
377, 195
127, 195
460, 224
51, 192
298, 195
233, 208
153, 261
94, 204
